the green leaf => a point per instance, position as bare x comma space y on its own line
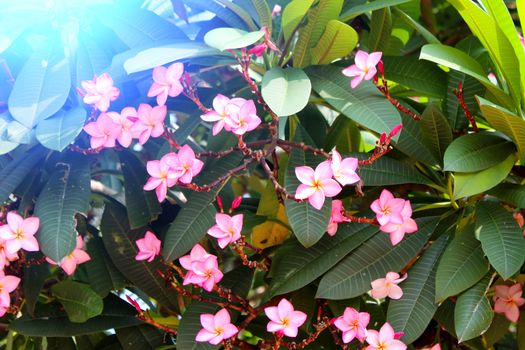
264, 13
501, 238
12, 175
354, 11
388, 171
142, 206
65, 194
42, 86
364, 104
511, 193
231, 38
468, 184
506, 122
352, 276
119, 241
79, 300
421, 76
344, 135
286, 91
473, 313
298, 266
461, 266
437, 134
58, 131
413, 312
308, 223
380, 29
474, 152
338, 40
415, 25
412, 142
142, 337
293, 14
309, 35
33, 280
52, 323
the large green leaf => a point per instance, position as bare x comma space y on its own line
264, 13
413, 312
293, 14
388, 171
119, 241
512, 193
338, 40
309, 35
79, 300
469, 184
352, 276
436, 131
308, 223
380, 29
12, 175
53, 323
364, 104
473, 313
286, 91
198, 214
42, 86
33, 280
412, 142
506, 122
65, 194
501, 238
461, 266
299, 266
142, 206
474, 152
354, 11
58, 131
421, 76
142, 337
231, 38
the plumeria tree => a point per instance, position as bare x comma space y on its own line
262, 174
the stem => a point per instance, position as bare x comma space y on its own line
468, 114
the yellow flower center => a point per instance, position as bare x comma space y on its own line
317, 185
285, 322
19, 233
385, 210
219, 330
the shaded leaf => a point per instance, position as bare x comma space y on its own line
437, 134
79, 300
338, 40
58, 131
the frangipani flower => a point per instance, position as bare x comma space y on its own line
284, 319
385, 339
149, 247
364, 67
227, 228
243, 119
276, 11
222, 107
104, 131
166, 82
126, 119
76, 257
162, 175
7, 285
150, 122
316, 185
19, 233
343, 170
216, 328
353, 324
388, 286
203, 268
184, 165
508, 300
388, 209
398, 231
336, 217
100, 91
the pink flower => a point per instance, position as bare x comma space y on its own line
316, 185
76, 257
166, 82
508, 301
388, 286
216, 328
385, 339
397, 231
7, 285
162, 175
435, 347
222, 107
388, 209
243, 119
284, 319
336, 217
100, 91
364, 67
150, 122
276, 11
104, 131
227, 228
203, 268
353, 324
258, 50
5, 256
19, 233
185, 166
126, 119
343, 170
149, 247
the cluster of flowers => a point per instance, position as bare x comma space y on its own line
508, 300
236, 115
130, 123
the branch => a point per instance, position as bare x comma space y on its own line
468, 114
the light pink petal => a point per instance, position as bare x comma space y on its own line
273, 327
174, 72
186, 155
356, 81
204, 335
352, 71
331, 188
208, 321
69, 265
372, 71
513, 313
348, 336
162, 97
380, 292
305, 174
81, 256
211, 116
396, 237
342, 324
152, 183
373, 59
222, 317
386, 332
396, 345
272, 313
30, 244
372, 338
316, 199
10, 283
14, 220
92, 129
13, 246
159, 74
395, 292
323, 171
291, 331
297, 318
229, 331
161, 191
285, 308
305, 191
360, 60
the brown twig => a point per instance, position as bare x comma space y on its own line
468, 114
